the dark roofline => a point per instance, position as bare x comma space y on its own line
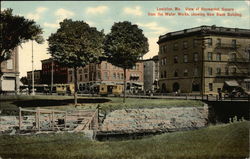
205, 30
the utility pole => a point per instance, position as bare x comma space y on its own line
32, 61
52, 75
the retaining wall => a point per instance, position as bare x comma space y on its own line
155, 120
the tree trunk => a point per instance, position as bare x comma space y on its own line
75, 82
124, 84
1, 73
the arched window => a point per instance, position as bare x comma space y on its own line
185, 72
175, 73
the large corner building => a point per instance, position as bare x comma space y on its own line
9, 81
204, 59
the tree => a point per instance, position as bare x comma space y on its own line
124, 46
16, 30
24, 80
76, 44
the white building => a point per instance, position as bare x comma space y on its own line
9, 81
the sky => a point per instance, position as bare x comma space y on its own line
148, 15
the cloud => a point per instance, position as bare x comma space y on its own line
63, 14
203, 20
156, 29
134, 10
40, 53
90, 23
41, 9
248, 2
51, 25
228, 22
37, 14
153, 48
97, 10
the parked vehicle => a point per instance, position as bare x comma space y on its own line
62, 89
105, 90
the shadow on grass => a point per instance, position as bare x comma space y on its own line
54, 102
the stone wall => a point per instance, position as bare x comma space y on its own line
155, 120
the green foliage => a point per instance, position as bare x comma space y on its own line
135, 103
76, 44
125, 44
16, 30
214, 142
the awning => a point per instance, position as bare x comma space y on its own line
247, 80
232, 83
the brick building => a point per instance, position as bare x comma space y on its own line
60, 73
204, 59
151, 74
37, 77
9, 80
105, 73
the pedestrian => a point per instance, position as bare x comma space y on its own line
220, 94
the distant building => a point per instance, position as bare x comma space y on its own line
9, 81
151, 73
60, 73
105, 73
37, 77
204, 59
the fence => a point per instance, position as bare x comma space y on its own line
56, 120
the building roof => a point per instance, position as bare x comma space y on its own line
205, 30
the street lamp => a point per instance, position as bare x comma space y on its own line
52, 75
32, 61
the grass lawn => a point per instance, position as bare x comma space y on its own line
214, 142
9, 104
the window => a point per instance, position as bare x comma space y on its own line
114, 75
98, 75
210, 86
195, 57
209, 56
105, 75
162, 62
161, 49
10, 64
175, 46
210, 71
209, 42
165, 74
226, 71
218, 71
137, 67
86, 76
218, 57
176, 59
80, 71
80, 77
70, 72
185, 45
165, 61
165, 48
85, 70
185, 72
71, 79
233, 70
196, 71
218, 43
234, 43
175, 73
118, 76
185, 59
122, 76
233, 57
195, 43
